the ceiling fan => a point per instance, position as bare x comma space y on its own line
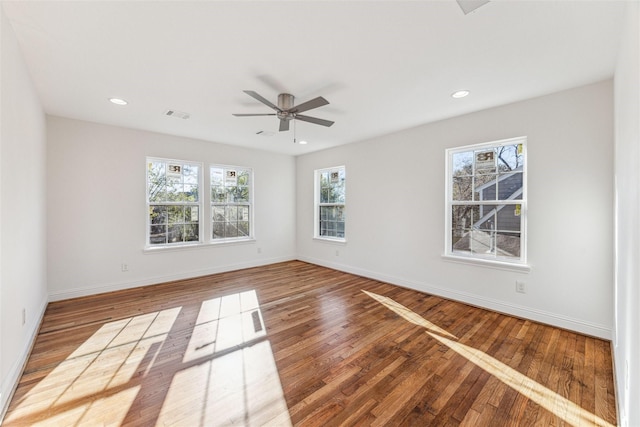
286, 111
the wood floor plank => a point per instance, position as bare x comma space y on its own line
297, 344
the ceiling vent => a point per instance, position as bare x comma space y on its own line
178, 114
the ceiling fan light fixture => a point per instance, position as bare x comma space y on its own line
460, 94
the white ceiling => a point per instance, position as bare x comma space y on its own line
382, 65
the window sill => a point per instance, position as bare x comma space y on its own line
199, 245
500, 265
331, 240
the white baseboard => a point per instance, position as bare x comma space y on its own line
10, 381
554, 319
117, 286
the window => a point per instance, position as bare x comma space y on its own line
486, 201
330, 203
173, 202
231, 203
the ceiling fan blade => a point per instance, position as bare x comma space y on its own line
284, 125
469, 6
309, 105
314, 120
249, 115
261, 99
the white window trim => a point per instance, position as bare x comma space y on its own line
148, 246
317, 204
251, 236
521, 264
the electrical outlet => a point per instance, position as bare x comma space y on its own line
337, 253
520, 287
24, 316
125, 267
259, 250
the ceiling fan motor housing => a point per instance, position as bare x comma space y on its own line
285, 102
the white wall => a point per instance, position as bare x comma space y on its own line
96, 216
395, 209
23, 283
627, 178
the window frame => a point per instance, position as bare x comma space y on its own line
213, 204
318, 204
489, 259
198, 203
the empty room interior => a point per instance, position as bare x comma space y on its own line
320, 213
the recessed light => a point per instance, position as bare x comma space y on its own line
460, 93
303, 142
118, 101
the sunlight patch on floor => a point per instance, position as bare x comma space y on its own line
408, 314
224, 323
117, 350
548, 399
227, 374
234, 379
241, 387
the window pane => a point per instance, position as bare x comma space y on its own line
176, 233
324, 195
462, 188
217, 175
462, 164
510, 157
508, 218
176, 214
231, 214
481, 241
243, 177
231, 230
243, 228
507, 244
460, 240
158, 214
485, 187
218, 213
338, 194
243, 213
485, 161
218, 195
190, 193
157, 192
190, 174
463, 217
510, 186
237, 194
174, 191
191, 232
218, 230
156, 181
191, 214
158, 235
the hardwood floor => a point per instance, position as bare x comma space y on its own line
297, 344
